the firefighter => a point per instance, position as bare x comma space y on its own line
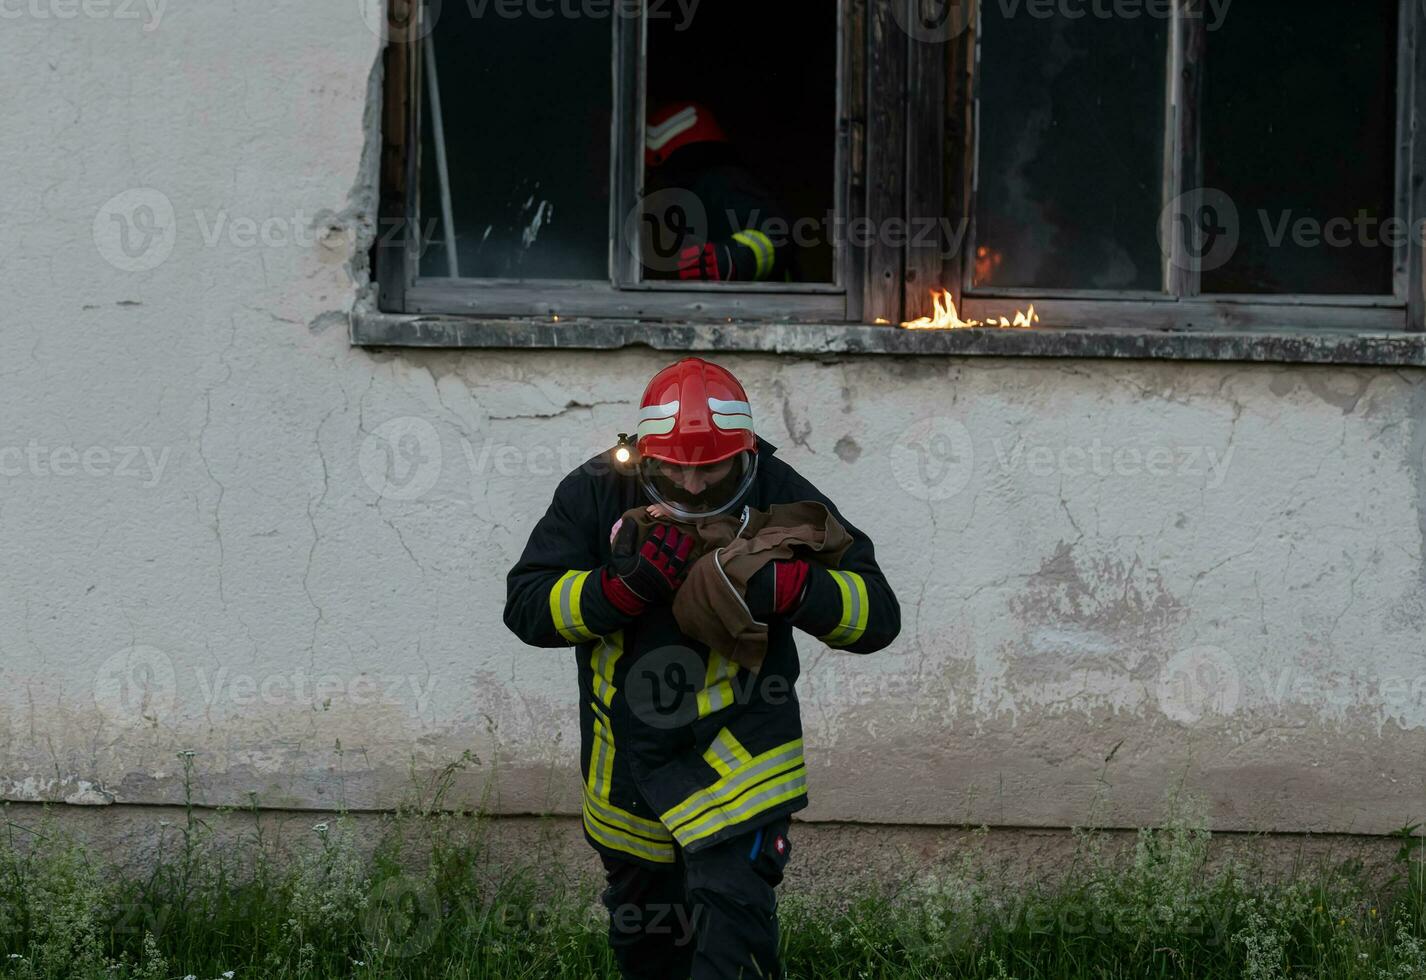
746, 237
690, 815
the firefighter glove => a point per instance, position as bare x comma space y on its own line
652, 573
777, 589
710, 262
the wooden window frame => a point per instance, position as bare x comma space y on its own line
868, 180
1182, 307
905, 136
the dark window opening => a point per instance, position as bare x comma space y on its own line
526, 109
1070, 152
1299, 122
777, 111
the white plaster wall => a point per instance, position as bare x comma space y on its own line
1210, 575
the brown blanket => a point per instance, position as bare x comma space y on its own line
710, 606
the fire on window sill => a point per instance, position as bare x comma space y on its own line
945, 317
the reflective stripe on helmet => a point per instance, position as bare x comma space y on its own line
728, 407
666, 410
654, 427
657, 137
733, 421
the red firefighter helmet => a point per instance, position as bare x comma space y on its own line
696, 446
677, 125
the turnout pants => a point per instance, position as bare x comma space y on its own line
711, 916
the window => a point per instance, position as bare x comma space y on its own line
1145, 164
518, 183
1191, 164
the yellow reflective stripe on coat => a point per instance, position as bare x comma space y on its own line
618, 840
602, 660
774, 792
717, 691
762, 250
601, 759
611, 826
854, 609
725, 753
762, 782
564, 607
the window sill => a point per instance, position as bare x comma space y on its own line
1314, 346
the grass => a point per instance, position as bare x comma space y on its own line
1159, 909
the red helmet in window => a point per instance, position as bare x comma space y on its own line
697, 450
677, 125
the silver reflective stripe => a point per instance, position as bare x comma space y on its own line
729, 787
784, 787
565, 592
729, 422
856, 596
724, 754
623, 820
719, 696
730, 407
606, 653
659, 411
655, 427
622, 841
847, 629
657, 136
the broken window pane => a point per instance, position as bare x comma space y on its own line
759, 149
526, 116
1070, 161
1299, 123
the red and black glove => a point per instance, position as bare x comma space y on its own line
709, 261
652, 574
777, 589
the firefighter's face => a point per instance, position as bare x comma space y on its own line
694, 480
694, 492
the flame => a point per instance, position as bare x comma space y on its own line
946, 318
987, 260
